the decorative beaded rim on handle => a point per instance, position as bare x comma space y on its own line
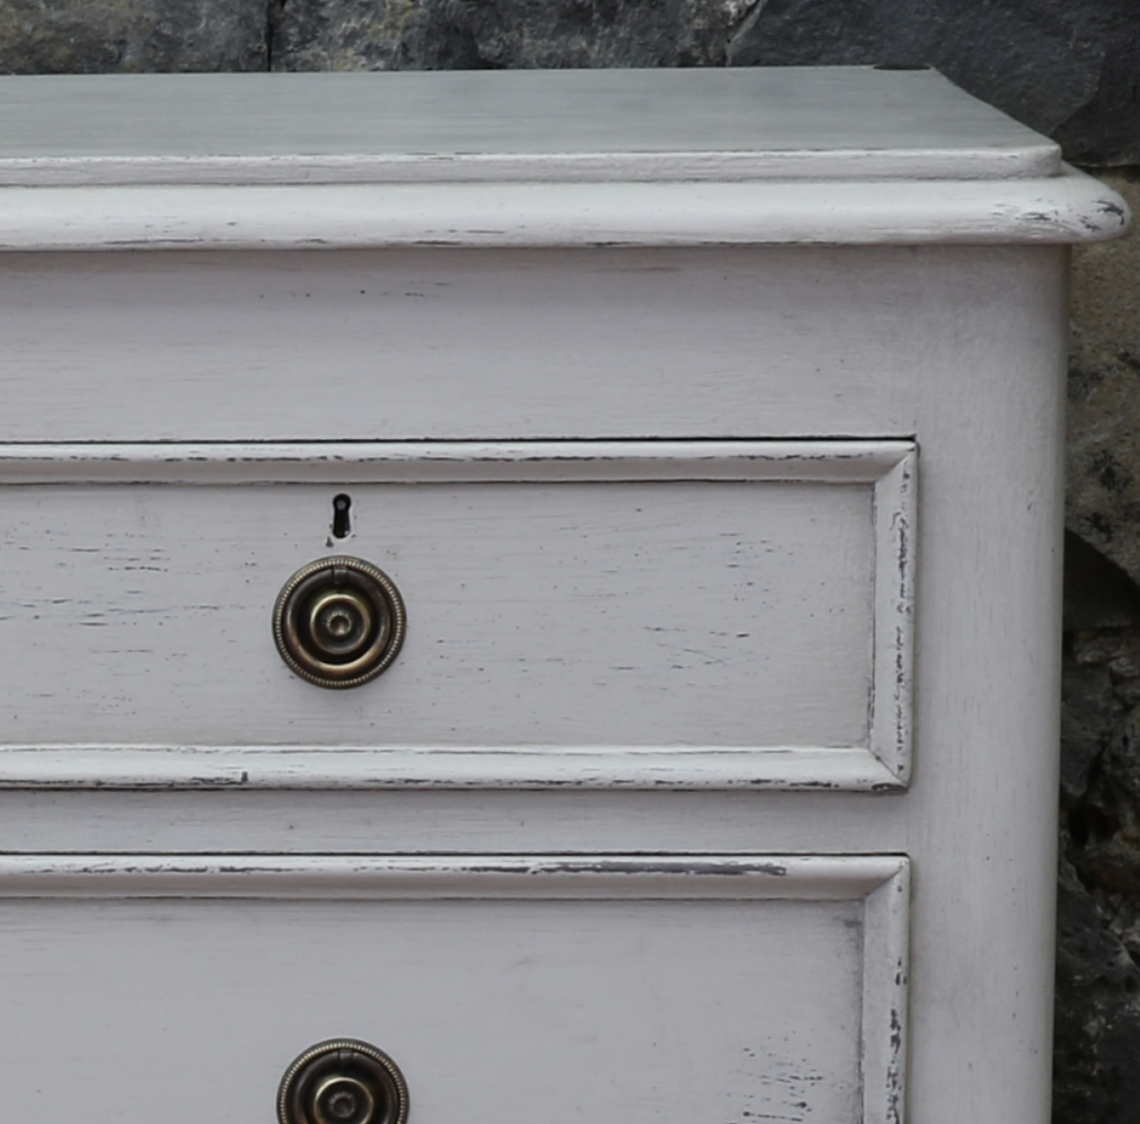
339, 622
346, 1059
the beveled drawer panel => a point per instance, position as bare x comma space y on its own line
618, 989
609, 612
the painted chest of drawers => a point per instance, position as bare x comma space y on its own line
546, 582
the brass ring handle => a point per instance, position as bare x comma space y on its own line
342, 1081
339, 622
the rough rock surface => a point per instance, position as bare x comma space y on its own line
489, 34
1104, 393
1068, 69
1097, 1032
101, 36
1097, 1026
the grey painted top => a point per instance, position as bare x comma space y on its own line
724, 124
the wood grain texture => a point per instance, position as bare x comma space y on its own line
506, 124
598, 966
955, 348
570, 877
241, 819
638, 678
1067, 208
497, 159
736, 342
512, 159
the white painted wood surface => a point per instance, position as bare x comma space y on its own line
735, 342
1070, 207
580, 613
497, 159
918, 333
501, 986
625, 124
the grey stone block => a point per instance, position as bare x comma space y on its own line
1097, 1016
489, 34
1097, 1025
1068, 69
346, 34
1103, 503
1098, 593
110, 36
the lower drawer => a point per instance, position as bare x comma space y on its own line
616, 989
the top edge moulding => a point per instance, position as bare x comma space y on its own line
528, 158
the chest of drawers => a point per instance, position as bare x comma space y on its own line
676, 457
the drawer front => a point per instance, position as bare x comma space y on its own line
404, 344
618, 989
691, 612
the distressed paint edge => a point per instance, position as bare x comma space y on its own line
882, 463
581, 876
1067, 208
886, 985
251, 768
415, 462
879, 881
1027, 161
892, 704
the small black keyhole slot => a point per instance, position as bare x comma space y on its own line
342, 522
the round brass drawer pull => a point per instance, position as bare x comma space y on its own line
343, 1081
339, 622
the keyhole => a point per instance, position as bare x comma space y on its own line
341, 524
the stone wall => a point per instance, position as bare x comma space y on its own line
1098, 981
1070, 68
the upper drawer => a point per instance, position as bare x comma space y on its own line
635, 613
472, 344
